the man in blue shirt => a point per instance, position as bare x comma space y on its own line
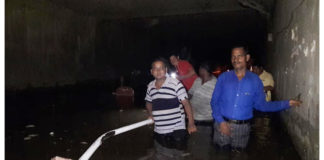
236, 93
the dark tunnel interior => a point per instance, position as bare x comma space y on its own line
64, 61
206, 36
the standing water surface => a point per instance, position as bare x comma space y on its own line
42, 124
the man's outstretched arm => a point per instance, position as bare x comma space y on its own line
261, 104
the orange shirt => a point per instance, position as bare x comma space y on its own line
183, 68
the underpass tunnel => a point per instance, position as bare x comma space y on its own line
53, 46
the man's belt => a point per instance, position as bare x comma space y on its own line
237, 121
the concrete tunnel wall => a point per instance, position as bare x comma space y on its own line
294, 63
47, 45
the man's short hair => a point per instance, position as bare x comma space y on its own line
175, 54
207, 66
180, 53
244, 47
163, 60
257, 64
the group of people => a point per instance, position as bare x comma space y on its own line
225, 104
221, 107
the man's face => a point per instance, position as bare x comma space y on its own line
203, 73
257, 70
174, 60
239, 58
158, 70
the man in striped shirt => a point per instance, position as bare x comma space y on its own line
167, 102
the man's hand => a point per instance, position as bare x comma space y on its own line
192, 128
191, 123
225, 128
294, 103
150, 117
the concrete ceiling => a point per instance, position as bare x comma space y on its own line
120, 9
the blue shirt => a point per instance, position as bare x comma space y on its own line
235, 99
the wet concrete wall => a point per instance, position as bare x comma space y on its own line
50, 45
294, 63
54, 43
47, 45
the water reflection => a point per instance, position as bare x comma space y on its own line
70, 134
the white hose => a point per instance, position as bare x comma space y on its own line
86, 155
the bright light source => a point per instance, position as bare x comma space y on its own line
173, 75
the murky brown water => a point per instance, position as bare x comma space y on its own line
42, 128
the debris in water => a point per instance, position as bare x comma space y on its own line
185, 154
27, 138
121, 110
61, 138
30, 136
84, 142
68, 150
51, 133
33, 135
30, 126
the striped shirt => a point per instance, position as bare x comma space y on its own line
167, 110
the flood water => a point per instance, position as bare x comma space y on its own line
44, 123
